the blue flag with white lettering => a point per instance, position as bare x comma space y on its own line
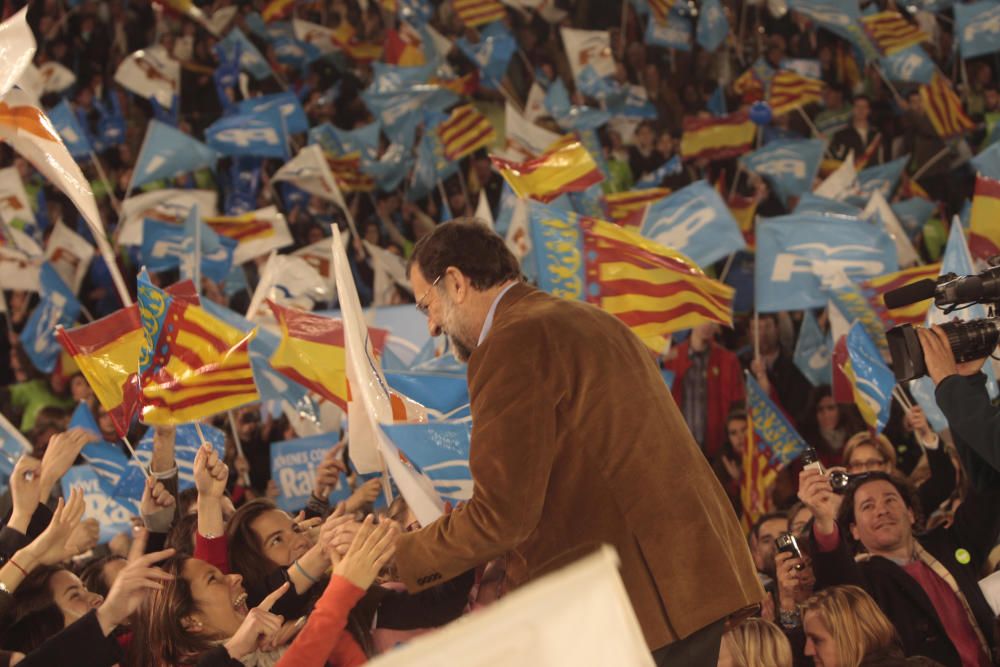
166, 245
58, 307
911, 65
695, 221
873, 380
166, 152
492, 53
291, 109
68, 127
813, 203
113, 515
676, 33
913, 214
293, 468
788, 165
363, 140
251, 58
812, 352
712, 25
186, 445
251, 134
441, 452
882, 178
400, 111
977, 25
799, 256
439, 391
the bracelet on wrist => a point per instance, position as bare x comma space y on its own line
303, 572
21, 569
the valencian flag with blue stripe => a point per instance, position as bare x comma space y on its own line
192, 364
772, 443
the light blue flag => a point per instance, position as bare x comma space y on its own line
216, 251
251, 58
812, 352
441, 452
293, 468
492, 53
364, 140
695, 221
712, 25
166, 245
68, 127
882, 178
295, 53
186, 445
978, 28
400, 111
254, 135
446, 363
676, 33
872, 377
442, 392
799, 256
856, 307
113, 515
166, 151
911, 65
807, 67
840, 18
913, 214
987, 162
592, 143
13, 445
958, 260
813, 203
505, 210
58, 307
634, 102
105, 458
431, 166
788, 165
717, 102
771, 427
291, 109
570, 116
668, 168
391, 168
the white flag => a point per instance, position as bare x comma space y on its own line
524, 139
17, 49
905, 252
310, 171
168, 205
14, 203
31, 82
519, 233
324, 39
288, 281
32, 135
483, 211
19, 272
534, 107
69, 254
56, 77
221, 18
588, 48
842, 182
150, 73
390, 273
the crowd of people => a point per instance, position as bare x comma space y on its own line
897, 568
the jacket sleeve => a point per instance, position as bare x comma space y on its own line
940, 485
289, 605
516, 410
11, 541
836, 567
325, 627
431, 608
214, 550
81, 644
975, 423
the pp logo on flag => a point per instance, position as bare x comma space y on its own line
51, 312
669, 232
790, 166
246, 136
818, 259
991, 25
908, 67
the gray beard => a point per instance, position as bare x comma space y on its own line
461, 351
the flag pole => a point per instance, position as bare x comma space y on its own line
895, 93
239, 445
465, 189
930, 163
726, 267
6, 314
115, 204
131, 450
196, 269
808, 120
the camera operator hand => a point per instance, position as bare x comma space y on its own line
817, 494
940, 359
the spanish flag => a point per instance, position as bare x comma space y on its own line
474, 13
875, 288
717, 138
192, 364
565, 166
744, 210
107, 353
624, 205
311, 352
403, 47
944, 108
242, 228
790, 90
984, 220
465, 130
893, 33
346, 170
653, 289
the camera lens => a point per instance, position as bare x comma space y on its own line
839, 481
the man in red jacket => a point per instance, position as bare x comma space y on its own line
707, 383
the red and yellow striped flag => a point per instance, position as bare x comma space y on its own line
749, 86
875, 288
107, 353
465, 130
984, 228
744, 209
623, 205
790, 90
311, 352
242, 228
944, 108
893, 33
653, 289
474, 13
346, 170
276, 9
192, 364
717, 138
565, 166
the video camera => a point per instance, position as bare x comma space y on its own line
968, 340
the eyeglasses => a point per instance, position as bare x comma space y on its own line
422, 305
868, 464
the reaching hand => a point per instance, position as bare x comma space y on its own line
50, 547
328, 472
364, 495
817, 494
260, 625
25, 491
791, 578
916, 421
132, 584
372, 549
62, 450
210, 473
156, 506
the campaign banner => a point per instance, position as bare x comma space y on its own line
113, 516
293, 468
